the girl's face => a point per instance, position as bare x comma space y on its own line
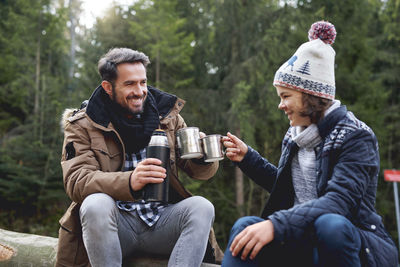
292, 104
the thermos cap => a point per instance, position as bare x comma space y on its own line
159, 138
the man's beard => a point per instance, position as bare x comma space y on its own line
128, 111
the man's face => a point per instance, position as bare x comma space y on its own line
292, 104
130, 87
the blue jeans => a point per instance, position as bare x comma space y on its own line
334, 241
110, 234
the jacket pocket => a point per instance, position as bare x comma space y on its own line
109, 155
106, 149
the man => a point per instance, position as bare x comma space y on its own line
105, 170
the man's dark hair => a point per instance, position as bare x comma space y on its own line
314, 107
108, 63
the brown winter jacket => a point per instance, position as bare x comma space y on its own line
93, 157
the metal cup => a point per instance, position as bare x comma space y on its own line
213, 148
189, 143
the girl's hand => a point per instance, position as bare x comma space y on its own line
252, 239
236, 149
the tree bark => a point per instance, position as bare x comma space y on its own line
72, 19
42, 108
239, 186
250, 197
158, 68
18, 249
37, 83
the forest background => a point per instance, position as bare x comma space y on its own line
220, 56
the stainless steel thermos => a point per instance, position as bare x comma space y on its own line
158, 148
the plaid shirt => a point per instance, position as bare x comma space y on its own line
149, 212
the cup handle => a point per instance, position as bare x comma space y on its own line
222, 145
178, 141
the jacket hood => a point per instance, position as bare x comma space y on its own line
330, 121
64, 117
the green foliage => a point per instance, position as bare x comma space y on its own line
159, 31
387, 67
32, 86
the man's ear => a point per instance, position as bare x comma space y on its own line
107, 87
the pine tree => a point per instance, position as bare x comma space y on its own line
305, 68
31, 93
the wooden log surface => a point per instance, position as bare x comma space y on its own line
19, 249
28, 250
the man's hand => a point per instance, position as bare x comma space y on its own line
252, 239
147, 171
236, 149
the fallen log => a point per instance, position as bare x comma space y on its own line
19, 249
28, 250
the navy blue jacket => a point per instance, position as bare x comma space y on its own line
347, 170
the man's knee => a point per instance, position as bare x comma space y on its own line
96, 206
205, 206
200, 206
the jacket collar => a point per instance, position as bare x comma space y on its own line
329, 122
164, 102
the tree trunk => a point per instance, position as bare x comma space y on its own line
158, 67
239, 186
42, 108
37, 85
72, 19
250, 197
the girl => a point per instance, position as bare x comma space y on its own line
322, 193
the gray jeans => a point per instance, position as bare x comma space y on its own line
109, 234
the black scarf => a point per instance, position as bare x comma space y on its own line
134, 129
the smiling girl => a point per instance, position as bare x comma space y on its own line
322, 194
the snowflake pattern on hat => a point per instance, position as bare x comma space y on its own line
304, 85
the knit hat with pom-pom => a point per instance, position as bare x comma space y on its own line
311, 69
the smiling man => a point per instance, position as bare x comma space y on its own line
105, 170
